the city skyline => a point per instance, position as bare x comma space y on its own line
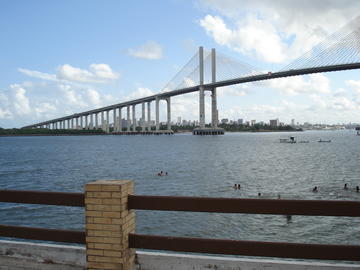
89, 63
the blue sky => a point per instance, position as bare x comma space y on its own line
63, 57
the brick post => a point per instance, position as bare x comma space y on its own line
108, 224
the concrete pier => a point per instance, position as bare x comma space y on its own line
143, 122
133, 119
168, 114
157, 123
208, 131
128, 123
149, 116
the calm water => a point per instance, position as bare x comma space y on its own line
197, 166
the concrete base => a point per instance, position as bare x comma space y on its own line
164, 261
160, 132
16, 255
27, 255
208, 131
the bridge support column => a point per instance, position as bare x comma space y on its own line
201, 89
202, 107
149, 116
86, 122
128, 123
214, 111
96, 120
107, 123
114, 120
157, 114
91, 122
120, 120
133, 118
102, 122
143, 122
168, 114
68, 124
81, 122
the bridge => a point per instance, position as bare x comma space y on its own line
340, 51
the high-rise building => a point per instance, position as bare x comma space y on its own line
293, 122
274, 123
240, 121
253, 122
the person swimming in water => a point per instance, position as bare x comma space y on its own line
315, 189
259, 194
357, 189
345, 187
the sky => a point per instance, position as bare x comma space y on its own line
63, 57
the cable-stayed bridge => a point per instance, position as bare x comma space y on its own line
207, 71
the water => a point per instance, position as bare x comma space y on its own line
197, 166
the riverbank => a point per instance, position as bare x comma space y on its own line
49, 132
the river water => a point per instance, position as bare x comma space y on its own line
196, 166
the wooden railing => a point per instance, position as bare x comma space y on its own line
194, 204
247, 206
48, 198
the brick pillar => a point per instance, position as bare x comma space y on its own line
108, 224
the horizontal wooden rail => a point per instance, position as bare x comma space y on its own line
246, 206
65, 236
246, 248
42, 197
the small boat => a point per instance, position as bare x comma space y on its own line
324, 140
290, 140
303, 141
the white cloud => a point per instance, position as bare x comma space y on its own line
97, 73
251, 36
94, 97
45, 108
316, 83
38, 74
150, 50
139, 93
71, 96
276, 32
239, 90
343, 104
5, 114
340, 92
20, 101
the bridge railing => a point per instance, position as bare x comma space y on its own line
110, 236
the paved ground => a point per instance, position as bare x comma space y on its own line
13, 263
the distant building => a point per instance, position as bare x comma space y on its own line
224, 121
292, 122
123, 123
240, 121
274, 123
179, 120
253, 122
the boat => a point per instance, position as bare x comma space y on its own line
303, 141
290, 140
324, 140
